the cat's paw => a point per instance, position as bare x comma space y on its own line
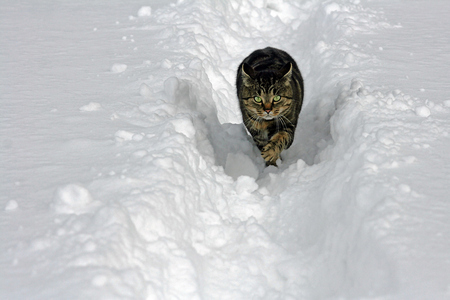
270, 154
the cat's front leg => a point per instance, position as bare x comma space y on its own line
270, 154
278, 142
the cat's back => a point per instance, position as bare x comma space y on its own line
268, 58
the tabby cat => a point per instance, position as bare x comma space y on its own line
270, 91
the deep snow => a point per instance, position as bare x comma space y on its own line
127, 174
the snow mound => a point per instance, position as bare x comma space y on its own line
184, 126
144, 11
72, 199
118, 68
92, 106
11, 205
423, 111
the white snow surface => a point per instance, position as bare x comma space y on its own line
126, 172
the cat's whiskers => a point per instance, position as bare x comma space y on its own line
251, 123
284, 119
279, 121
258, 121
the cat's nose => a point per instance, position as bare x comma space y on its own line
268, 111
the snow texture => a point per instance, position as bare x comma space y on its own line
126, 172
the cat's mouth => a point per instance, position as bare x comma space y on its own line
268, 117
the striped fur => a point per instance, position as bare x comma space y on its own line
270, 91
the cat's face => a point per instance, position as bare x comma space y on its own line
266, 94
268, 105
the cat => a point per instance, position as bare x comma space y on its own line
270, 91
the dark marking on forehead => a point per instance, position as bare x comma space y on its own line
265, 80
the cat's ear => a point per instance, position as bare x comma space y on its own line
286, 70
248, 71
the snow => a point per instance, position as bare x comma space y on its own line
145, 11
92, 106
71, 199
11, 205
238, 164
126, 172
118, 68
423, 111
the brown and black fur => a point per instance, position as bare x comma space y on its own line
271, 120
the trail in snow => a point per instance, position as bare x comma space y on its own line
128, 173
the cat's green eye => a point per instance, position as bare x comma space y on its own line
277, 98
258, 99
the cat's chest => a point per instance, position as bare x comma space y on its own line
261, 126
263, 129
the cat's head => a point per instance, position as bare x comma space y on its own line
266, 94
